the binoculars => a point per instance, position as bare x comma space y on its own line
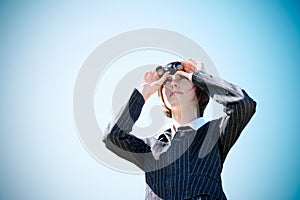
172, 67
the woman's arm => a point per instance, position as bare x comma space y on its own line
117, 135
238, 107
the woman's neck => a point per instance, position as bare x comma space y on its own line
184, 114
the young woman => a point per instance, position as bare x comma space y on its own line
185, 161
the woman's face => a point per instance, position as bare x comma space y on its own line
178, 91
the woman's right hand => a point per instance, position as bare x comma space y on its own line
152, 83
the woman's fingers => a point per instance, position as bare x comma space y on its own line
155, 75
199, 65
185, 74
151, 76
192, 61
163, 78
188, 67
146, 77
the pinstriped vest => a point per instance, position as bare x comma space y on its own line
190, 166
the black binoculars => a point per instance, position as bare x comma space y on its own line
172, 67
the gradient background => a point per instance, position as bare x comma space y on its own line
254, 44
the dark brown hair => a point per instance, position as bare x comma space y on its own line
202, 97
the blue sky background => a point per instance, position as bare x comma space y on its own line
254, 44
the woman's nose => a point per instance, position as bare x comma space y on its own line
174, 83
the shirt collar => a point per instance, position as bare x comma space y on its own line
195, 124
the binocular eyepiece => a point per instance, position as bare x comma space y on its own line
172, 67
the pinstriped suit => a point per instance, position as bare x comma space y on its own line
189, 165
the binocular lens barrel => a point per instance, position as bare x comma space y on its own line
172, 67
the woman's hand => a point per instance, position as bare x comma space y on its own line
152, 83
189, 67
192, 65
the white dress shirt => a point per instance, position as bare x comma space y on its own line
195, 124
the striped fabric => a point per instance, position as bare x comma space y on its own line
188, 166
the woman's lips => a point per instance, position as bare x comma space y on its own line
175, 92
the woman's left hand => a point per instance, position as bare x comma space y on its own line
185, 74
192, 65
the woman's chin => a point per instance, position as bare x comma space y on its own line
175, 102
175, 106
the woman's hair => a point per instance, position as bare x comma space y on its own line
202, 97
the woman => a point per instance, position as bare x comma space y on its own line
185, 161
